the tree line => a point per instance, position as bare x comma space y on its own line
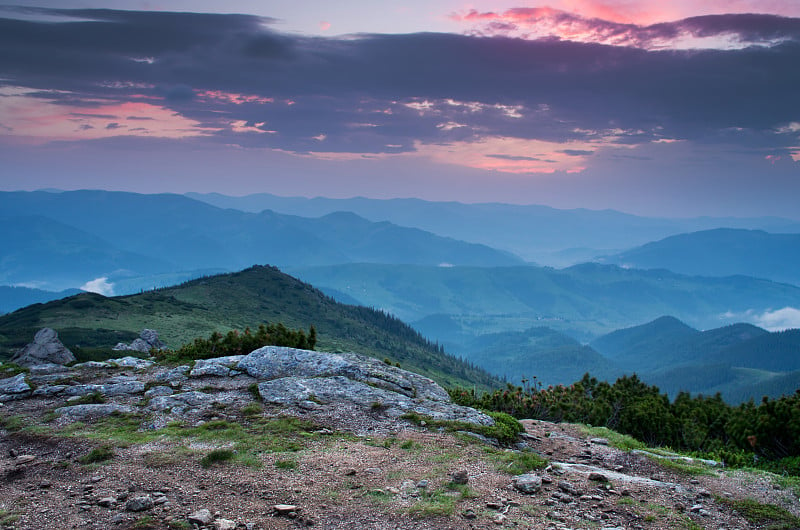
764, 434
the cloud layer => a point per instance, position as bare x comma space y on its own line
573, 94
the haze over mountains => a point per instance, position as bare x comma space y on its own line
540, 234
461, 274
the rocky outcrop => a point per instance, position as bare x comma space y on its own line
274, 362
45, 349
12, 388
338, 389
148, 340
298, 376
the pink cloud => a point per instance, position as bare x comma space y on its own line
232, 97
324, 26
37, 120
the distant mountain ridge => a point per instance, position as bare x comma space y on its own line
52, 236
720, 252
585, 301
541, 234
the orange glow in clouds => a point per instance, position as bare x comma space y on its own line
36, 120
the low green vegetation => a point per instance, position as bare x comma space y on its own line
765, 515
236, 343
764, 435
95, 398
615, 439
518, 462
242, 443
289, 464
217, 456
505, 430
97, 455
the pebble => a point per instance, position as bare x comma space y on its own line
459, 477
200, 517
139, 504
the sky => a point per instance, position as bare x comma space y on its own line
668, 108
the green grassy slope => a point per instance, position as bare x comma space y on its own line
235, 301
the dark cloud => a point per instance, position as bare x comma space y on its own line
89, 115
114, 125
576, 152
373, 93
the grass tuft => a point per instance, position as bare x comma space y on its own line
97, 455
217, 456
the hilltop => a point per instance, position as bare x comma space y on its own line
248, 298
143, 446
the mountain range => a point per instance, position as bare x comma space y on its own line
540, 234
60, 240
719, 252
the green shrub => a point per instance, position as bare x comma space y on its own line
217, 456
97, 455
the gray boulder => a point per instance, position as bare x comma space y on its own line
528, 483
148, 340
338, 389
131, 362
219, 366
12, 388
81, 412
186, 401
107, 389
45, 348
272, 362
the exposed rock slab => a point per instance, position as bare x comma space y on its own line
333, 389
12, 388
218, 366
79, 412
273, 362
45, 349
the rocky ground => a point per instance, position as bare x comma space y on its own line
218, 456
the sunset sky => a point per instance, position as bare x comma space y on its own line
651, 107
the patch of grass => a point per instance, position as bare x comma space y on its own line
682, 467
13, 423
146, 523
765, 515
287, 464
168, 457
688, 524
180, 524
437, 504
505, 430
97, 455
615, 439
217, 456
626, 501
464, 491
95, 398
410, 445
518, 462
253, 409
252, 388
12, 369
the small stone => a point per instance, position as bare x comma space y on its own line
24, 459
696, 508
494, 505
468, 514
499, 519
422, 484
459, 477
598, 477
349, 472
285, 509
703, 493
528, 483
392, 490
694, 481
107, 502
45, 484
599, 441
224, 524
200, 517
373, 470
566, 487
139, 504
96, 478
